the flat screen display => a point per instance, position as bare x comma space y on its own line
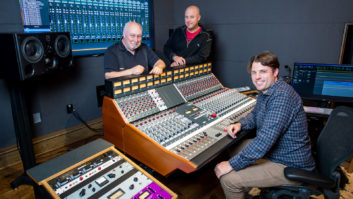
94, 25
324, 81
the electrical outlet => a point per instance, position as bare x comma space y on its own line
69, 108
36, 118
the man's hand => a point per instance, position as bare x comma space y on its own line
233, 129
222, 168
178, 61
158, 67
174, 64
156, 70
137, 70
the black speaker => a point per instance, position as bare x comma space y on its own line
29, 55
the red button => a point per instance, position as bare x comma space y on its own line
213, 115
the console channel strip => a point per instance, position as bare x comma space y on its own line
180, 125
221, 102
198, 86
97, 170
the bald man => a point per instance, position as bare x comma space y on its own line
189, 44
130, 56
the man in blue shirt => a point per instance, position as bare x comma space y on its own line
130, 56
281, 134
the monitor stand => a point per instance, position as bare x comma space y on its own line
22, 130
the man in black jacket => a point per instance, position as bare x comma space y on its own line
189, 44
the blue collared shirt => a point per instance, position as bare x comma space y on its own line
281, 134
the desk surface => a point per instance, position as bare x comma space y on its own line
317, 110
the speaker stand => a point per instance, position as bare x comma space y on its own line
22, 130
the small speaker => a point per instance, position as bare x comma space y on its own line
29, 55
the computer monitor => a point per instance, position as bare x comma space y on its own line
94, 25
329, 82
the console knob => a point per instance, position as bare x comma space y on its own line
82, 192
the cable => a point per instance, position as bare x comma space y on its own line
78, 117
288, 78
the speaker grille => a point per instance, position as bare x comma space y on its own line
34, 54
32, 49
62, 46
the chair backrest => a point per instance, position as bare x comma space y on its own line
335, 142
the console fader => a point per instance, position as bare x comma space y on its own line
97, 170
176, 120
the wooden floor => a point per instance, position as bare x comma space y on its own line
198, 185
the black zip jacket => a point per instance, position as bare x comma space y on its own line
196, 52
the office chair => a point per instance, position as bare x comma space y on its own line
334, 146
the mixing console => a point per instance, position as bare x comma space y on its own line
222, 101
172, 125
181, 124
106, 174
198, 86
138, 105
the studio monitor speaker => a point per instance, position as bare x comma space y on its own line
29, 55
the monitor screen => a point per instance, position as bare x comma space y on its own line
323, 81
94, 25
